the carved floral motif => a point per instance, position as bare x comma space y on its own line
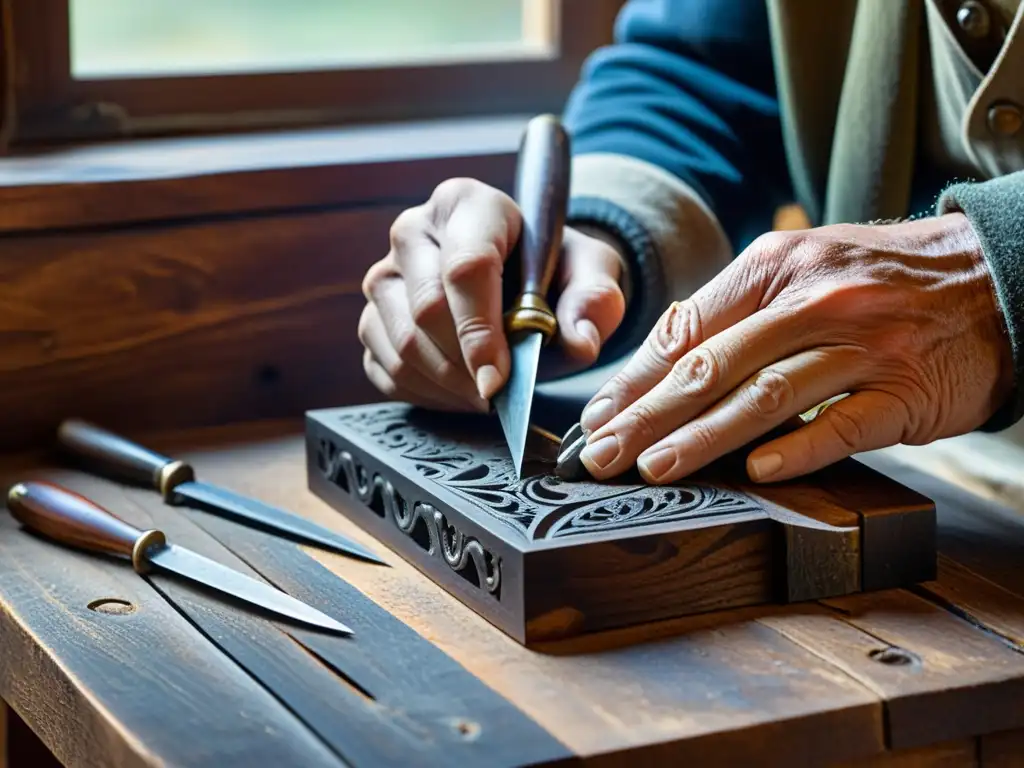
469, 459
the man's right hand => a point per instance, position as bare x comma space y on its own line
432, 327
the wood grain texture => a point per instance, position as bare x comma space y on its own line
184, 325
1002, 750
167, 180
941, 677
87, 680
544, 559
963, 753
350, 692
772, 685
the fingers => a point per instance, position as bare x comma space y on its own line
381, 379
769, 399
591, 304
864, 421
417, 257
479, 234
735, 294
412, 363
697, 381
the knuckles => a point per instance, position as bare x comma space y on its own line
676, 330
697, 373
472, 265
428, 302
770, 393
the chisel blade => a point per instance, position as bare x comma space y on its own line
193, 566
225, 503
515, 401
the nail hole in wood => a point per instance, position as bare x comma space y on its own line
894, 657
112, 605
467, 729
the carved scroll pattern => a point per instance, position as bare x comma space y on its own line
426, 526
476, 467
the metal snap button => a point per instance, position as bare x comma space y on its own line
974, 19
1005, 119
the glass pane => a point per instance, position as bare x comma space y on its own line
124, 38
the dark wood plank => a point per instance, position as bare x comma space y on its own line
184, 325
962, 753
131, 682
456, 717
1002, 750
543, 558
940, 677
209, 176
383, 697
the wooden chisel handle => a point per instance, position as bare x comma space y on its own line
71, 519
121, 459
542, 190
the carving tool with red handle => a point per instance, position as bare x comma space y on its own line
541, 192
74, 520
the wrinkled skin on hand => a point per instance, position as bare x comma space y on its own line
432, 329
902, 318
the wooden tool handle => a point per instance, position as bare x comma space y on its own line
542, 190
119, 458
74, 520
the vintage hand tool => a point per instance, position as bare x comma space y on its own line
74, 520
542, 187
118, 458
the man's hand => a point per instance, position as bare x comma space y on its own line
432, 328
901, 317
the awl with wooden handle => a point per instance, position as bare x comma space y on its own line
118, 458
541, 192
71, 519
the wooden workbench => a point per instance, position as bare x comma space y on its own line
102, 667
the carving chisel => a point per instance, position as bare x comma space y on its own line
72, 519
541, 192
121, 459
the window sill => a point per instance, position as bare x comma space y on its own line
131, 182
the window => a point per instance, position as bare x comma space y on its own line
107, 68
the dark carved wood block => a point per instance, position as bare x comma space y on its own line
544, 558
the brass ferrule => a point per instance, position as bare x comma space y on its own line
171, 475
531, 313
151, 539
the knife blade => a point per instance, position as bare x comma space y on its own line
72, 519
541, 192
118, 458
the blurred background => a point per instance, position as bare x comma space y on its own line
124, 38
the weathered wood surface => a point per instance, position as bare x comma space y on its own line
545, 559
388, 697
812, 684
172, 179
184, 325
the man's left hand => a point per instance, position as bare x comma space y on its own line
901, 317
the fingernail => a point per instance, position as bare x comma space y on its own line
596, 415
588, 331
488, 381
655, 465
602, 453
765, 466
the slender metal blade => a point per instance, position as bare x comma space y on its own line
243, 509
191, 565
515, 400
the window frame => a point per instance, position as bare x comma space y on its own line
44, 103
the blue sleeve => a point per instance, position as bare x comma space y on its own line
689, 86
